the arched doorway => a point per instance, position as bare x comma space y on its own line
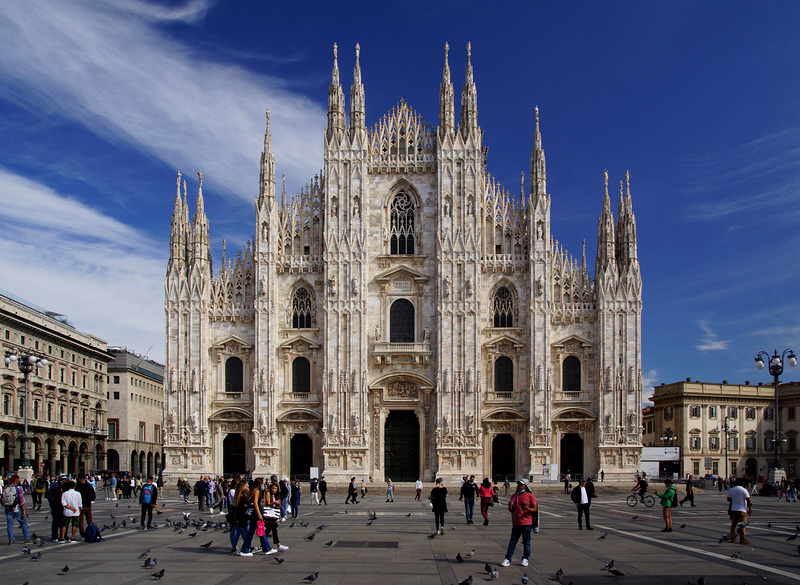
112, 460
401, 446
751, 468
233, 459
571, 459
301, 456
503, 458
134, 464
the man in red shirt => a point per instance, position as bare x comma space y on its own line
522, 506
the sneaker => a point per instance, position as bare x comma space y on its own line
745, 541
283, 519
271, 551
234, 551
282, 547
255, 549
58, 541
10, 542
245, 554
524, 562
505, 563
27, 541
441, 531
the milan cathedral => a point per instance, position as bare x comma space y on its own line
403, 316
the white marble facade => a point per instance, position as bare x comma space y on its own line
403, 315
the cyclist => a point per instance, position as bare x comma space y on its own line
641, 485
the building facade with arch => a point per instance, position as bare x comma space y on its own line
403, 316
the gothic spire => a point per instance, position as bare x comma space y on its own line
357, 107
446, 99
626, 227
335, 99
267, 165
177, 233
538, 165
605, 233
200, 242
469, 100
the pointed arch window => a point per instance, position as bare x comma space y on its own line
401, 219
503, 375
301, 375
401, 322
503, 308
571, 374
234, 375
301, 309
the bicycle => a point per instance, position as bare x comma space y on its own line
647, 500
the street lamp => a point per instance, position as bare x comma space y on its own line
776, 369
668, 437
26, 362
723, 426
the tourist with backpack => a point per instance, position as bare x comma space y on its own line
14, 503
148, 498
39, 487
669, 500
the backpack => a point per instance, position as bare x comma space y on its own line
674, 502
10, 496
92, 533
147, 493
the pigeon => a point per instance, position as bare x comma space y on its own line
36, 557
186, 515
467, 581
279, 559
117, 505
291, 525
25, 550
609, 565
559, 574
494, 575
793, 536
310, 536
408, 515
320, 527
312, 577
431, 536
65, 570
616, 572
740, 527
153, 562
373, 515
459, 558
369, 523
471, 553
207, 545
452, 528
683, 525
112, 515
157, 576
769, 524
146, 563
525, 579
723, 538
329, 543
635, 517
193, 534
796, 527
145, 554
603, 536
487, 567
124, 524
737, 555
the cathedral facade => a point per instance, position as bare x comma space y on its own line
403, 316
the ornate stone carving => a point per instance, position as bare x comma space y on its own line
402, 389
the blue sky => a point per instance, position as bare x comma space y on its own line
102, 102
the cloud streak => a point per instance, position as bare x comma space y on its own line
711, 341
111, 67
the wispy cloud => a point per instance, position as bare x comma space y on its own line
62, 255
711, 341
111, 67
758, 173
651, 380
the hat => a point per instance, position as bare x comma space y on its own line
63, 476
523, 481
581, 479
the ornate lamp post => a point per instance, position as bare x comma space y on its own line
725, 428
776, 369
668, 437
26, 362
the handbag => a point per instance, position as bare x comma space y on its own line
261, 529
270, 513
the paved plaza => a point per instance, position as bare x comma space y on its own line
395, 548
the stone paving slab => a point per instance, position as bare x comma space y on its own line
396, 549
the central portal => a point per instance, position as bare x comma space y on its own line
401, 446
571, 455
233, 458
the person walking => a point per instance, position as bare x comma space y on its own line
602, 475
296, 490
13, 496
506, 486
418, 488
313, 490
285, 492
113, 486
669, 500
258, 498
323, 489
39, 487
389, 490
352, 492
739, 508
85, 489
271, 521
566, 483
438, 499
522, 506
467, 495
147, 499
689, 493
486, 494
71, 502
201, 491
582, 496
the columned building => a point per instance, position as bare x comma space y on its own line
135, 413
404, 315
66, 398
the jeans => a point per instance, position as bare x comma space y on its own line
37, 499
55, 525
295, 508
284, 505
147, 510
469, 508
236, 532
583, 509
12, 515
248, 534
390, 495
517, 531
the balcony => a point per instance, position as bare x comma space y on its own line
415, 352
508, 398
572, 397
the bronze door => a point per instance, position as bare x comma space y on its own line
401, 446
504, 455
233, 458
